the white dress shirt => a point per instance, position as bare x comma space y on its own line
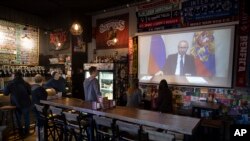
178, 69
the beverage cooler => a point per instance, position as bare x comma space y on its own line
105, 77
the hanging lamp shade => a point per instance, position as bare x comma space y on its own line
76, 29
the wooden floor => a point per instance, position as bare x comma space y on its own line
15, 136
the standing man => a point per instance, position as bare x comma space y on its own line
91, 86
91, 93
20, 97
179, 63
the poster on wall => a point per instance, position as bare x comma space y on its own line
58, 40
112, 32
18, 44
78, 44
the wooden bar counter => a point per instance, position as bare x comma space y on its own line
181, 124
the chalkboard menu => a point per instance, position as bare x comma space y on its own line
18, 44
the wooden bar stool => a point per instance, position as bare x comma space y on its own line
8, 116
159, 136
104, 128
128, 131
76, 126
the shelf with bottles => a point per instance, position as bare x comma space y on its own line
110, 58
63, 68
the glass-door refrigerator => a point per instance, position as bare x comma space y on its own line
105, 77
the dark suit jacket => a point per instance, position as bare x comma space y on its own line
171, 63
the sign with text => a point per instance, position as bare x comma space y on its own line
244, 28
195, 12
112, 32
18, 44
239, 132
160, 17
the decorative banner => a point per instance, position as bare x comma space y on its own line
110, 29
58, 39
197, 13
78, 44
203, 50
130, 54
135, 56
244, 28
155, 3
159, 16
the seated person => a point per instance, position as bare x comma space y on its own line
179, 63
38, 93
56, 82
134, 95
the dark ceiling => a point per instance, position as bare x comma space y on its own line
43, 8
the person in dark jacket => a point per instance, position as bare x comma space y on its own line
20, 91
164, 100
38, 93
179, 63
56, 82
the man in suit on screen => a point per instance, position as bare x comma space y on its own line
179, 63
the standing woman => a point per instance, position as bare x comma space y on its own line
164, 100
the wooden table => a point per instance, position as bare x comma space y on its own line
206, 105
181, 124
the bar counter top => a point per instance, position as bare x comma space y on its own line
181, 124
206, 105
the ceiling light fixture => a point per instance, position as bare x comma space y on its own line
76, 29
